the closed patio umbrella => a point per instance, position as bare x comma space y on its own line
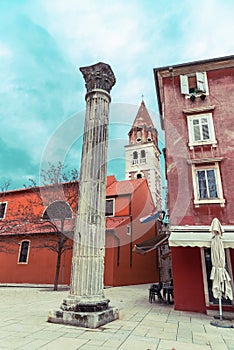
219, 275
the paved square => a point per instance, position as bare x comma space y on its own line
143, 326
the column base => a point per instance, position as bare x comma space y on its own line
84, 319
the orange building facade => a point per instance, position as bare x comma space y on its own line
32, 219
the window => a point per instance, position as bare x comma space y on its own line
138, 136
135, 158
23, 253
143, 157
109, 207
194, 84
207, 184
2, 210
201, 129
149, 138
139, 175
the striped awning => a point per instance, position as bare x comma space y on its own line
198, 236
150, 244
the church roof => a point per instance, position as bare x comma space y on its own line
124, 187
142, 117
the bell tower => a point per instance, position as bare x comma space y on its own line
142, 154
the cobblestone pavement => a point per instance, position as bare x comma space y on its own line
143, 326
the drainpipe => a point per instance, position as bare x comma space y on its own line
130, 233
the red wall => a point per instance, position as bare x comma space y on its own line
180, 189
187, 278
132, 268
40, 267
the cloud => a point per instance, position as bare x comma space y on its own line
39, 88
102, 31
16, 164
4, 51
207, 29
114, 33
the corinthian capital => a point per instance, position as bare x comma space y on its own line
98, 76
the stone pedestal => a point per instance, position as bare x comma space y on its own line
93, 319
86, 306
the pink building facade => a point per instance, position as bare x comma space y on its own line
196, 104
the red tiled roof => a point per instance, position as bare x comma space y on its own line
30, 228
26, 227
124, 187
142, 117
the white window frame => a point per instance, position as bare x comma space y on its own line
113, 200
143, 159
135, 160
192, 142
20, 247
219, 200
4, 214
202, 84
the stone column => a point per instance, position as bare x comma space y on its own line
86, 306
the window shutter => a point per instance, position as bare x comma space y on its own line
201, 81
184, 85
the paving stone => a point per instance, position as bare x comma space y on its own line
64, 343
112, 344
140, 343
218, 345
141, 331
169, 345
34, 345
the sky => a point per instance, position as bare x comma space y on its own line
42, 92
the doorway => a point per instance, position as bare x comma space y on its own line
212, 300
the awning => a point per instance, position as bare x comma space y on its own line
197, 237
150, 244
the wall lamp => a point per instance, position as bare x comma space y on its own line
171, 72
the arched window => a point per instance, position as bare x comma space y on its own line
139, 175
57, 210
143, 157
138, 136
135, 157
149, 138
23, 252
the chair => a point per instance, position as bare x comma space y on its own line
155, 289
168, 292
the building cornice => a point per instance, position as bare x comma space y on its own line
198, 109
